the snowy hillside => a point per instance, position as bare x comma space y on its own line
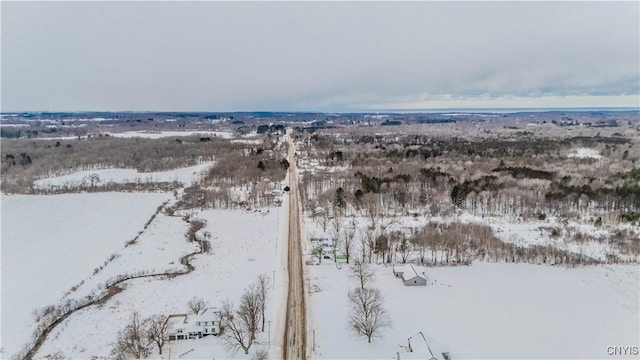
51, 243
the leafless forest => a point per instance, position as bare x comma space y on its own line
575, 173
581, 182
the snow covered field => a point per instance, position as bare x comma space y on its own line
584, 153
51, 243
163, 134
486, 311
185, 176
243, 245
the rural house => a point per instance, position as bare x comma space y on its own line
409, 275
183, 326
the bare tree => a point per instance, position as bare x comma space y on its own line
94, 179
249, 310
381, 245
371, 203
369, 243
367, 316
132, 341
361, 271
238, 333
156, 330
338, 217
262, 287
322, 214
403, 248
317, 251
196, 305
419, 241
349, 237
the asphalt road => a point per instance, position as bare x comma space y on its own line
295, 338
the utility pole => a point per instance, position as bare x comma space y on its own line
269, 323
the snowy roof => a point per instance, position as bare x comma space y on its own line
175, 322
407, 271
208, 314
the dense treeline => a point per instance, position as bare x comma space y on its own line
24, 161
242, 178
483, 176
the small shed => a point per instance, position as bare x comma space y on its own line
409, 275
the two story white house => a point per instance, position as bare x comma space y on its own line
183, 326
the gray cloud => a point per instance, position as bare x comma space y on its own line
219, 56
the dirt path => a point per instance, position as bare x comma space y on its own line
295, 340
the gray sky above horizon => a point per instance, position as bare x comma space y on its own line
317, 56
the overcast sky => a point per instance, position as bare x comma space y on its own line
327, 56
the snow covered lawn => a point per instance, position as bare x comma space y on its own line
244, 244
485, 310
51, 243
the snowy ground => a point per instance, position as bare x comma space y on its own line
162, 134
244, 244
485, 311
521, 233
584, 153
185, 176
51, 243
147, 134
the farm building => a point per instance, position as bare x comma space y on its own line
183, 326
409, 275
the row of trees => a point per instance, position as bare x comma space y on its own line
380, 238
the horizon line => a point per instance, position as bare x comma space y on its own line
378, 111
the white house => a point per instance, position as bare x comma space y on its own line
183, 326
409, 275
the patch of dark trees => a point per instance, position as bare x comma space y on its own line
374, 184
461, 190
520, 172
273, 128
17, 133
436, 121
12, 160
432, 175
428, 147
391, 123
624, 197
336, 155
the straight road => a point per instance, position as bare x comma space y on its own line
295, 339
